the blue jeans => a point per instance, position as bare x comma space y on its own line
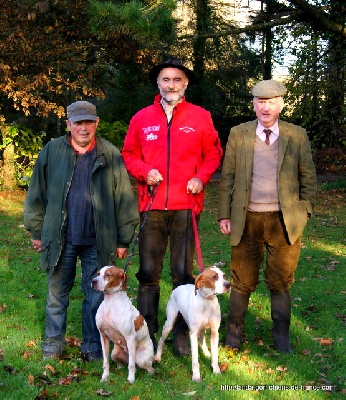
59, 287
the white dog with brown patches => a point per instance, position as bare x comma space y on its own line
200, 308
120, 322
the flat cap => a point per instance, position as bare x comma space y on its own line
268, 89
81, 111
171, 62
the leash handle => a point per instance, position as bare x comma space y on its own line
152, 193
197, 241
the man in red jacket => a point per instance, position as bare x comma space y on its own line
175, 143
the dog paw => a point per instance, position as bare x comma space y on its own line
104, 378
157, 359
216, 370
151, 371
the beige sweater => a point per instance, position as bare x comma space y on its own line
264, 187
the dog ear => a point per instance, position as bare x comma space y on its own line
198, 283
124, 286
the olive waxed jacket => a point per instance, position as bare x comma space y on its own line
296, 178
114, 205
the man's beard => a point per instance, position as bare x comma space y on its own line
172, 97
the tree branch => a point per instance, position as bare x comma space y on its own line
305, 11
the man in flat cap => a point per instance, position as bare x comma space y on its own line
267, 192
80, 204
174, 143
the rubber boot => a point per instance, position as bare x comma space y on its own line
238, 305
181, 337
281, 316
148, 305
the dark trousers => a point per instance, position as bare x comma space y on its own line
160, 227
264, 230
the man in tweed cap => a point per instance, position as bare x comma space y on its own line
267, 192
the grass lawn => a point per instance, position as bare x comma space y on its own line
316, 369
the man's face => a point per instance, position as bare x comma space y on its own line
268, 110
172, 83
82, 132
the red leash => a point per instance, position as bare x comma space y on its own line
197, 242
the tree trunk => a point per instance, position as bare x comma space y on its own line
9, 171
8, 167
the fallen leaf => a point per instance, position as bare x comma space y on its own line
281, 368
31, 380
190, 393
50, 368
27, 354
306, 352
31, 343
270, 371
73, 342
3, 307
326, 342
223, 367
42, 396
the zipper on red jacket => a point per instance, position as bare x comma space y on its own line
169, 123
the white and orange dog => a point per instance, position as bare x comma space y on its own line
120, 322
200, 308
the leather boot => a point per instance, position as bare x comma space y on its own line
148, 305
281, 316
181, 337
238, 305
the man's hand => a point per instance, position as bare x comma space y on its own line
225, 226
122, 252
194, 186
154, 177
37, 245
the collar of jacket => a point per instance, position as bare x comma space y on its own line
100, 160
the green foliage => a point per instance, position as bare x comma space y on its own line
27, 145
147, 24
114, 132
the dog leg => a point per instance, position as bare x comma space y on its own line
194, 353
172, 313
105, 352
131, 345
119, 356
203, 342
168, 326
145, 356
214, 344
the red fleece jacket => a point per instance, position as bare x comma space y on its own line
187, 147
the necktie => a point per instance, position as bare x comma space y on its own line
267, 132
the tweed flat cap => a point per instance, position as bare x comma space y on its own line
81, 111
268, 89
171, 62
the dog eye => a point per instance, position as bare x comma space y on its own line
215, 277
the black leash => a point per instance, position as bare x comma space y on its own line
153, 194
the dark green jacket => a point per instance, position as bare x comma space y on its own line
296, 178
114, 205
